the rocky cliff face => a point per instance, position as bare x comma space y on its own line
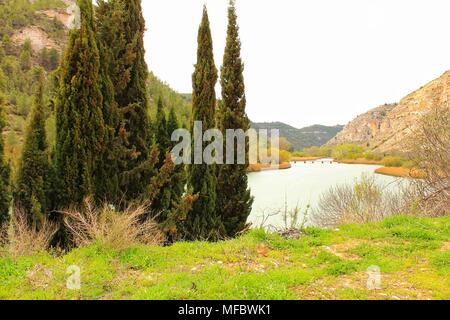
385, 129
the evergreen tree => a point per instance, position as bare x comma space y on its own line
171, 193
203, 222
234, 201
107, 175
5, 196
128, 73
80, 126
161, 135
33, 191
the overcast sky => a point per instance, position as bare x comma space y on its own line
309, 61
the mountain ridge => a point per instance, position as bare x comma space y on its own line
315, 135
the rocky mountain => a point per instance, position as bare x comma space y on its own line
316, 135
385, 128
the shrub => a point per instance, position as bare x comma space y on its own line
24, 239
363, 202
111, 229
393, 162
430, 145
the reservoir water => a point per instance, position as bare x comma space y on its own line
302, 185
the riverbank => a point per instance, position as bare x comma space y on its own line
400, 172
359, 161
266, 167
300, 159
412, 253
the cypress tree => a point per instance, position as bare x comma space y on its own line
161, 134
33, 191
234, 201
80, 126
178, 179
139, 167
203, 222
128, 73
107, 175
161, 203
170, 195
5, 196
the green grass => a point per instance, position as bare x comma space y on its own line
412, 253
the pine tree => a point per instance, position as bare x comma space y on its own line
33, 190
128, 72
203, 222
234, 201
5, 196
80, 126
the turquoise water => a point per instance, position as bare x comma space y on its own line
302, 185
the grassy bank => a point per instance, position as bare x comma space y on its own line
400, 172
413, 254
265, 167
359, 161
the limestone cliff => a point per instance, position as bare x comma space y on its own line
384, 129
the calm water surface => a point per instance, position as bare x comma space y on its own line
302, 185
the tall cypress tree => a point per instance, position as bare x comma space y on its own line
203, 222
33, 191
80, 126
162, 202
108, 16
234, 201
5, 196
171, 193
129, 74
161, 135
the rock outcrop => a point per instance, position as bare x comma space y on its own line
386, 128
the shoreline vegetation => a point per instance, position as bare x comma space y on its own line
268, 167
391, 165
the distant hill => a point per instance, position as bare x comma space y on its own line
35, 33
316, 135
386, 128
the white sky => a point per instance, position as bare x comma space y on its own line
309, 61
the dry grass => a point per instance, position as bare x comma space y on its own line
401, 172
112, 229
25, 239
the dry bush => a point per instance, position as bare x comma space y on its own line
25, 239
111, 229
363, 202
430, 146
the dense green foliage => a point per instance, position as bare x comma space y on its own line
204, 222
80, 128
4, 173
33, 190
234, 201
172, 100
